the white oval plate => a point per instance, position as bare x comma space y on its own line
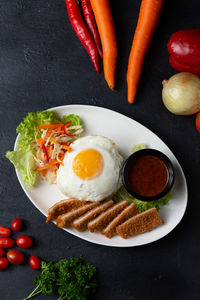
125, 132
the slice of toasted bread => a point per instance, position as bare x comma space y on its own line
80, 224
140, 223
62, 207
126, 214
65, 220
99, 223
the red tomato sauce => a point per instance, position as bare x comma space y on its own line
148, 175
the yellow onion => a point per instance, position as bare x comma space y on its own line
181, 94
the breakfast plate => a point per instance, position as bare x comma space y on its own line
125, 132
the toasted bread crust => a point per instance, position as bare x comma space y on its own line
99, 223
62, 207
106, 217
80, 224
126, 214
140, 223
65, 220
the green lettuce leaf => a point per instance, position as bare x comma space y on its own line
72, 118
28, 128
138, 147
23, 157
24, 162
122, 194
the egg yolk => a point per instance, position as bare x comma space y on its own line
88, 164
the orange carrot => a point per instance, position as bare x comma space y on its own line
40, 141
53, 140
43, 167
61, 157
44, 173
51, 126
69, 149
50, 165
103, 17
150, 11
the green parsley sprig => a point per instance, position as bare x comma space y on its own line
72, 279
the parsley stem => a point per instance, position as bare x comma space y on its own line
34, 293
62, 297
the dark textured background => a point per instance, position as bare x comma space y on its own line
43, 64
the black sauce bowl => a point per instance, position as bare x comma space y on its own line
155, 153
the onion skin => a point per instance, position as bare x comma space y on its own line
181, 94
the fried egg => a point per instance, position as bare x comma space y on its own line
91, 171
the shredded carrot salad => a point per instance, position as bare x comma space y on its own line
51, 147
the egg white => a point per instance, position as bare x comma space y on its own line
100, 187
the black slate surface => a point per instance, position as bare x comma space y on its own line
42, 65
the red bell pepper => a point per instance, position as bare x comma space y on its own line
44, 149
65, 129
184, 49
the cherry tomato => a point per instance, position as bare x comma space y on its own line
3, 263
198, 121
16, 224
15, 257
34, 262
24, 241
6, 242
5, 231
2, 252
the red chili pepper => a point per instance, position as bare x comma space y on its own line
65, 129
184, 49
44, 149
82, 32
89, 19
